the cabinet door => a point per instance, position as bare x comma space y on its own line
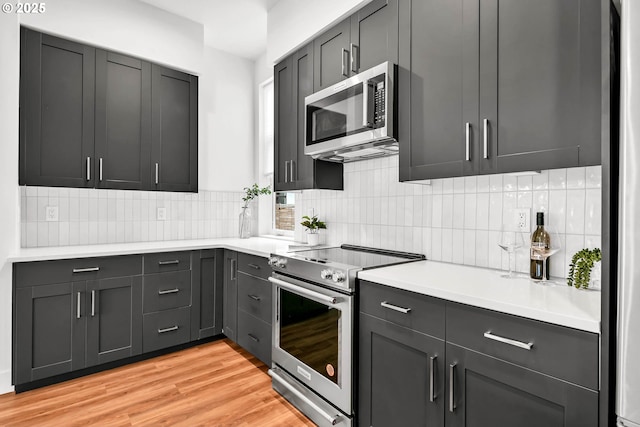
174, 121
401, 376
207, 307
285, 143
114, 319
123, 122
490, 392
331, 56
49, 330
57, 111
540, 88
230, 293
374, 35
437, 88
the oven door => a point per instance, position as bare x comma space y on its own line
312, 338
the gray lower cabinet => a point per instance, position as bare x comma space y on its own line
416, 371
207, 307
71, 314
230, 295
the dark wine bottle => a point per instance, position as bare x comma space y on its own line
539, 238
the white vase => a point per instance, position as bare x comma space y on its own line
245, 223
313, 239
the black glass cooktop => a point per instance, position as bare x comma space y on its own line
356, 256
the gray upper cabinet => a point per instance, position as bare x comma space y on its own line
123, 122
332, 56
174, 121
93, 118
293, 81
57, 87
498, 86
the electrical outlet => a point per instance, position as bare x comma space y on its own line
162, 214
51, 213
522, 219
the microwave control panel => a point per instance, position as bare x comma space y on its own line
377, 102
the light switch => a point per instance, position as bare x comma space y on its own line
51, 213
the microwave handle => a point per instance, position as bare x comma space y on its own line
368, 104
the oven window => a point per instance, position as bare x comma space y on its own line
310, 331
335, 116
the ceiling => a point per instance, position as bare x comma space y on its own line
235, 26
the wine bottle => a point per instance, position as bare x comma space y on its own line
539, 238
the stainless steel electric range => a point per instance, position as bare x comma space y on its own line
313, 326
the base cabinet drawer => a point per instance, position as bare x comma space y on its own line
166, 291
254, 335
255, 296
166, 328
254, 265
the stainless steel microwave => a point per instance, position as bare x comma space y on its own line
353, 119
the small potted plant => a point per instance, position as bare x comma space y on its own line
583, 264
245, 216
312, 225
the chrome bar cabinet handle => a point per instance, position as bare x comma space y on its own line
355, 58
432, 378
467, 138
165, 330
485, 122
345, 58
254, 297
519, 344
452, 395
78, 306
286, 170
291, 175
100, 169
255, 266
157, 173
86, 270
93, 303
88, 168
395, 307
234, 273
169, 291
171, 262
253, 337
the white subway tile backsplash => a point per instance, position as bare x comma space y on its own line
575, 211
540, 181
575, 178
593, 212
557, 179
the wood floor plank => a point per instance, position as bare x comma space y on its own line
214, 384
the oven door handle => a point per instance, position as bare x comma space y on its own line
333, 420
303, 291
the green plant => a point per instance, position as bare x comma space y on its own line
580, 267
312, 224
253, 192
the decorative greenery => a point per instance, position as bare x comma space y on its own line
312, 224
253, 192
580, 267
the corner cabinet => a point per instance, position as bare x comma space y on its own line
90, 118
293, 81
498, 86
430, 362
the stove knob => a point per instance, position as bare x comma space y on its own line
338, 276
326, 274
272, 261
281, 262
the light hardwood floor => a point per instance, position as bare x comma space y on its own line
214, 384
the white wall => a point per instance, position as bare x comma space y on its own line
9, 214
291, 23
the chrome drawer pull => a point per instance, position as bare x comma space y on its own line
254, 297
395, 307
93, 303
173, 261
452, 381
86, 270
78, 306
253, 337
432, 378
169, 291
519, 344
173, 328
256, 266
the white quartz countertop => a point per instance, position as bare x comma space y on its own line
261, 246
558, 304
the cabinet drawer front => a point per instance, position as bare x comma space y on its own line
167, 261
165, 329
255, 336
255, 296
562, 352
76, 270
254, 265
418, 312
166, 291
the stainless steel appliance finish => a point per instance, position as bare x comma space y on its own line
628, 354
353, 119
313, 327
